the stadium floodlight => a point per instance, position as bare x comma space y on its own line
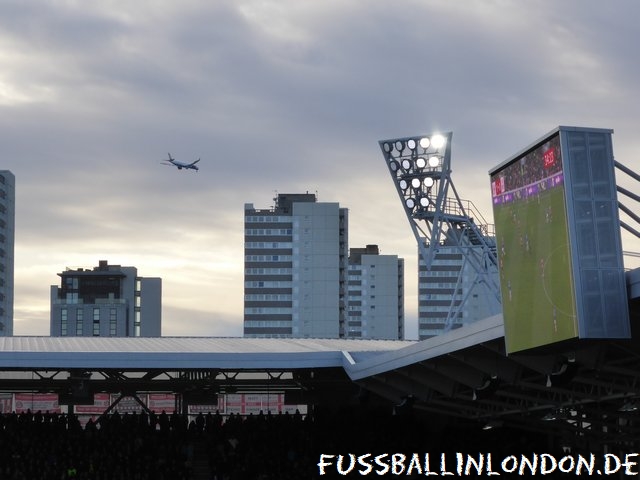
438, 141
416, 164
420, 167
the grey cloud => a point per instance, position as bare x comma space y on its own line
286, 99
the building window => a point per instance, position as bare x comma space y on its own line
136, 324
79, 321
113, 322
72, 298
96, 322
63, 322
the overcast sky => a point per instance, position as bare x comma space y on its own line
275, 96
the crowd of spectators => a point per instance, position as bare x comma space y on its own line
257, 447
56, 447
531, 169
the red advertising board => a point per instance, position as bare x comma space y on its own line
159, 402
246, 404
6, 403
43, 402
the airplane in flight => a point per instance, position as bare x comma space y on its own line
181, 165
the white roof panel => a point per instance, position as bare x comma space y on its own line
359, 358
182, 352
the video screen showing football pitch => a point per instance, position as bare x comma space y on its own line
534, 257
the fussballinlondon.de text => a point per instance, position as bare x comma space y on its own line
477, 465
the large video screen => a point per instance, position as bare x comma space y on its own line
532, 239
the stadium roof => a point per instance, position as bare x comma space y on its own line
177, 353
360, 358
464, 374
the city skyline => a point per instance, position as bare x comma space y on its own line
275, 98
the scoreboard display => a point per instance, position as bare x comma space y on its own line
558, 241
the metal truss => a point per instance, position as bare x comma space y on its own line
623, 208
588, 393
420, 167
76, 387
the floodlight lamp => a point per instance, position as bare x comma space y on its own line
399, 146
424, 201
403, 184
387, 147
421, 162
434, 161
406, 164
437, 141
411, 144
410, 203
394, 166
428, 182
415, 182
425, 142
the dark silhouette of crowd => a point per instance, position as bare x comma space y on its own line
56, 447
282, 446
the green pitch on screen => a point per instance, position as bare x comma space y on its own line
535, 271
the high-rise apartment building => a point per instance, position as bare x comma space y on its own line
450, 293
375, 295
106, 301
7, 238
296, 259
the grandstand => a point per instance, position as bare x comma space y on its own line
463, 374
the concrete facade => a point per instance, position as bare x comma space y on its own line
106, 301
451, 285
7, 240
295, 268
376, 295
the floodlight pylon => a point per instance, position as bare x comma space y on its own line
420, 167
